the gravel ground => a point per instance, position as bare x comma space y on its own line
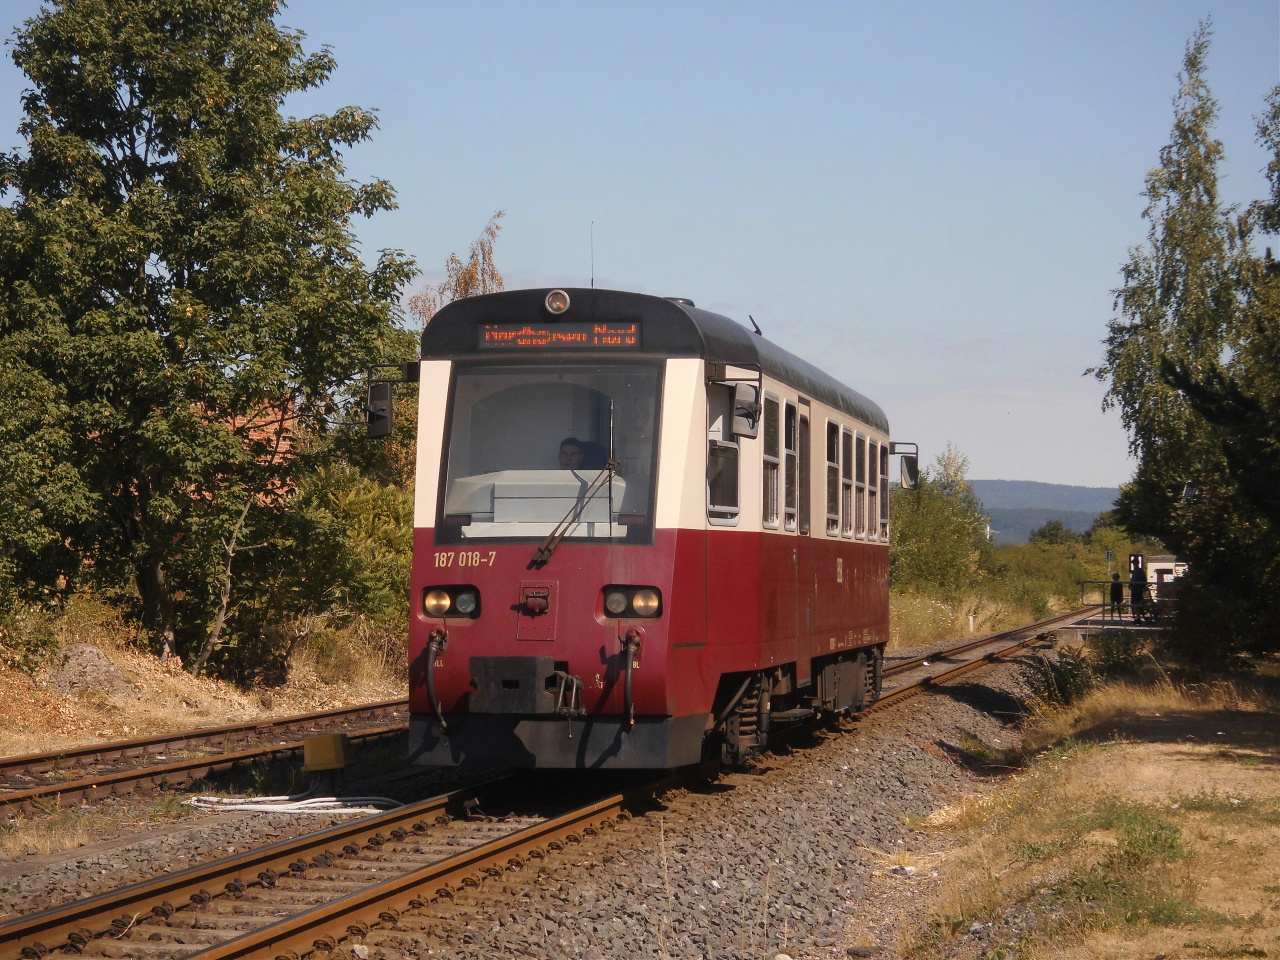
38, 882
805, 853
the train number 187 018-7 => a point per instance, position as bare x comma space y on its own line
465, 558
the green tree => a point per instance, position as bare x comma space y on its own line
1193, 365
1233, 525
1054, 533
938, 535
40, 492
1179, 301
179, 261
343, 550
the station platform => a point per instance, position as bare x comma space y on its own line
1099, 620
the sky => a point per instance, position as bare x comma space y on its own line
931, 201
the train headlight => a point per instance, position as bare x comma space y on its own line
645, 603
465, 602
615, 602
557, 302
437, 603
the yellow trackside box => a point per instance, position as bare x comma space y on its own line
331, 751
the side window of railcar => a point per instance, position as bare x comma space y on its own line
833, 479
861, 476
772, 461
884, 492
804, 507
846, 484
722, 456
873, 507
789, 443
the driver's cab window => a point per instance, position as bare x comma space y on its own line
722, 456
531, 445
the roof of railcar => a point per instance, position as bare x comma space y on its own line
668, 327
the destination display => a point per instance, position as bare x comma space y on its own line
559, 336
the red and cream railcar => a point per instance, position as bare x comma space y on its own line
642, 532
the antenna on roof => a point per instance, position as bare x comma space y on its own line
754, 324
593, 254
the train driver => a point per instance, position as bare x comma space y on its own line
570, 453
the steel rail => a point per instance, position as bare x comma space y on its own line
42, 762
141, 746
941, 653
123, 782
316, 928
49, 929
85, 920
890, 697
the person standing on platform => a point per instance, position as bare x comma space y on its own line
1138, 594
1117, 597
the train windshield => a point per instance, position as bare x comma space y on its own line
530, 446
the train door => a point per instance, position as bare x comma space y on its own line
724, 552
804, 551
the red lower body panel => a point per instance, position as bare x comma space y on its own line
731, 602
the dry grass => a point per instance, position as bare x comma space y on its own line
907, 860
331, 667
916, 619
64, 831
355, 651
56, 829
969, 812
1155, 834
1111, 702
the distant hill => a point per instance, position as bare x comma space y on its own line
1017, 507
1015, 494
1015, 525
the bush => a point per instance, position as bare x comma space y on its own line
938, 534
27, 639
339, 552
1056, 681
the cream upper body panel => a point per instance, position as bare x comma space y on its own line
681, 496
433, 397
681, 450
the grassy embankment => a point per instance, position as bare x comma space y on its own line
1143, 820
1010, 585
329, 662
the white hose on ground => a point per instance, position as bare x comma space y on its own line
292, 798
298, 803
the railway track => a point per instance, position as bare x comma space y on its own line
119, 768
416, 870
981, 652
940, 654
124, 766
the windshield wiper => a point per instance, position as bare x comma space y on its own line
603, 480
